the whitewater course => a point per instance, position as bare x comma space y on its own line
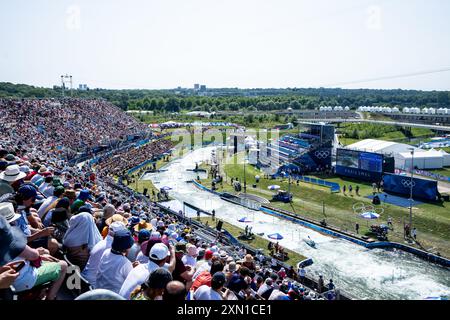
364, 273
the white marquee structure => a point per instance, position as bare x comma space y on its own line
423, 159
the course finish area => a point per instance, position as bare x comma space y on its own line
364, 273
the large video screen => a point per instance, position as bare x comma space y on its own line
347, 158
359, 160
371, 162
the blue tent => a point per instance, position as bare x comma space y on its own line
275, 236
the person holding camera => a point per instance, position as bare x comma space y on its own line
23, 267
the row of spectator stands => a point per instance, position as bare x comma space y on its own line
305, 161
295, 141
309, 136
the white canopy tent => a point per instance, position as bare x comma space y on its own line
423, 159
430, 159
446, 157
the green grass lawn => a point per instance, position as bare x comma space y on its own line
257, 243
431, 220
447, 149
381, 132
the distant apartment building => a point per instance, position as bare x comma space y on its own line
83, 87
196, 86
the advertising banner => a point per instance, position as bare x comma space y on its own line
421, 188
322, 156
358, 173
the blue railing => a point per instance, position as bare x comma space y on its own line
334, 186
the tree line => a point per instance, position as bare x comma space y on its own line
234, 99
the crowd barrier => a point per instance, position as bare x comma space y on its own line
334, 186
143, 164
200, 186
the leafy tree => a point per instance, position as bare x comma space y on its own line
233, 106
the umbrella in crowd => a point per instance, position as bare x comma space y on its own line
273, 187
275, 236
369, 215
166, 188
245, 220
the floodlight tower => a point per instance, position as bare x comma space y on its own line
411, 184
63, 83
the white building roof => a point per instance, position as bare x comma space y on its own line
372, 145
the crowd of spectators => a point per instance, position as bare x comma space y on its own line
64, 126
117, 163
54, 216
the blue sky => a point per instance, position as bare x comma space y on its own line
226, 43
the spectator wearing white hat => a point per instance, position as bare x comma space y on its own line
8, 177
190, 258
157, 259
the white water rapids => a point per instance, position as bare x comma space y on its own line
364, 273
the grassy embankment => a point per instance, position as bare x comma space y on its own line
353, 132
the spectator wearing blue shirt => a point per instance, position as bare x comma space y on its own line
37, 237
